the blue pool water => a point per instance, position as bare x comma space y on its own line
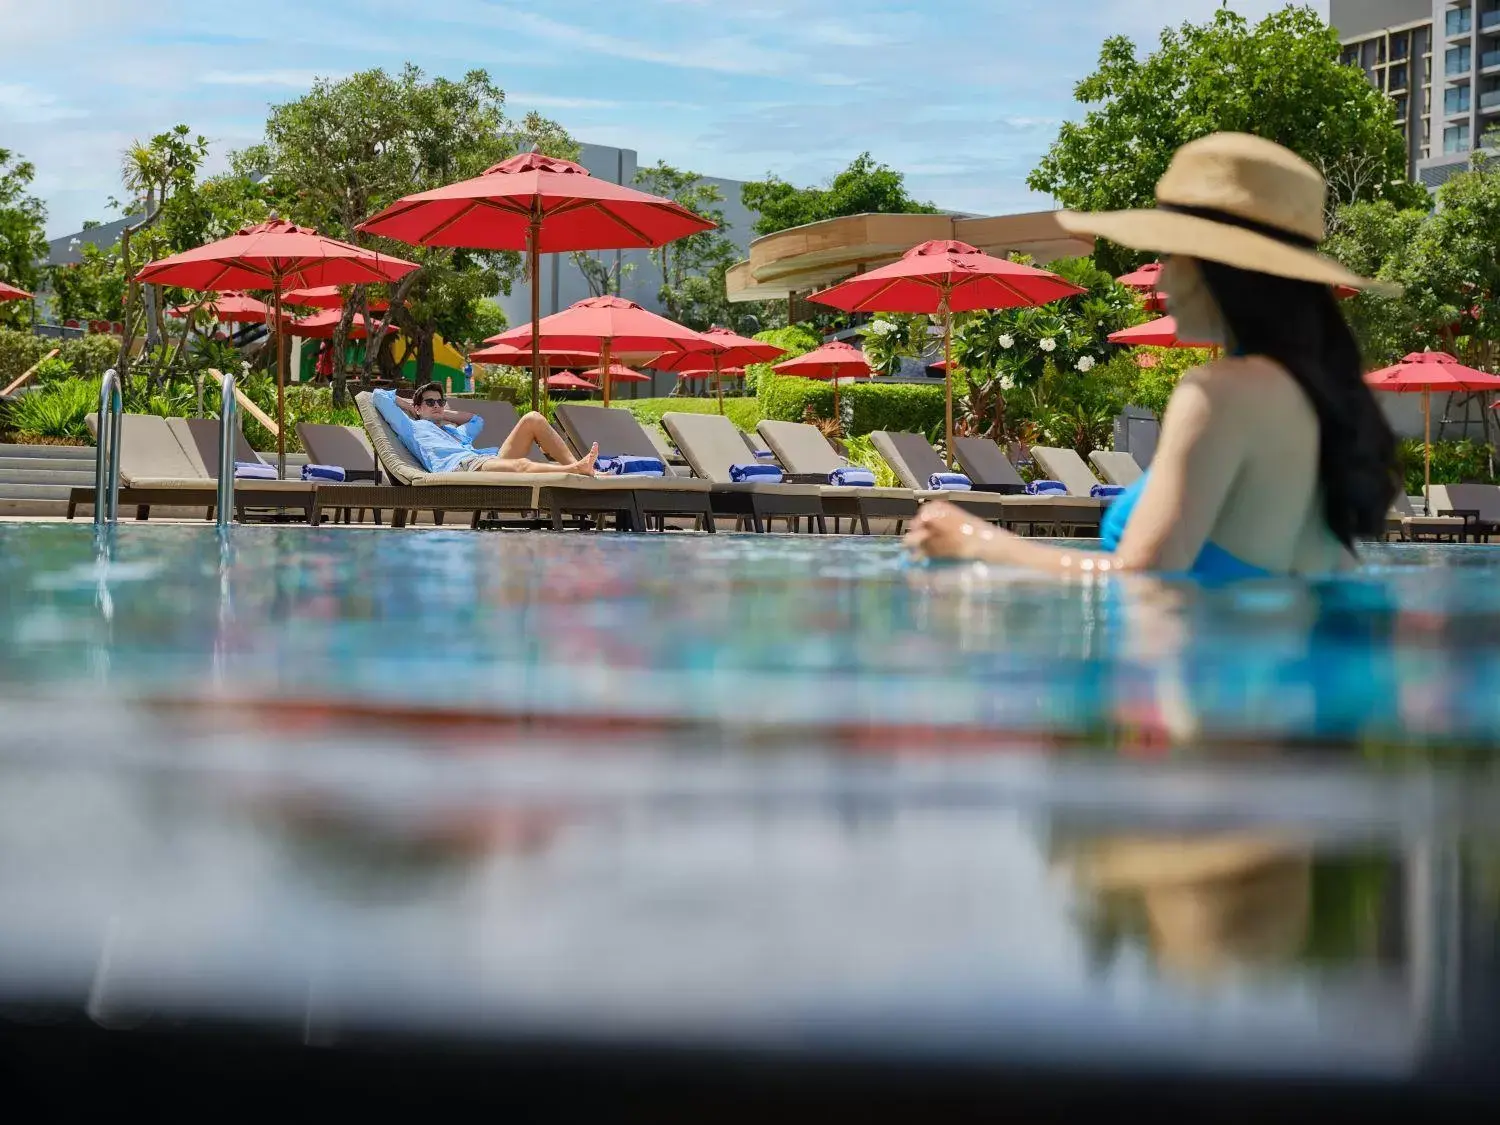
792, 793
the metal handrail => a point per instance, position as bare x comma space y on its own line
227, 404
107, 450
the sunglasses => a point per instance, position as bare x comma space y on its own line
431, 402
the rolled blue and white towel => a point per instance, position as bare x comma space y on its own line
254, 470
949, 482
754, 474
852, 476
1105, 491
332, 473
765, 456
1046, 488
631, 466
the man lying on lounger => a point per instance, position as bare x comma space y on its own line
443, 439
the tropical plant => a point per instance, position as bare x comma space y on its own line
865, 187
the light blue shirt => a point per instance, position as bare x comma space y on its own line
440, 449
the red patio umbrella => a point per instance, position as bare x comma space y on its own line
613, 325
327, 297
730, 350
275, 255
618, 373
320, 325
540, 205
1147, 280
1425, 372
513, 356
229, 308
567, 381
11, 293
835, 361
944, 277
1159, 333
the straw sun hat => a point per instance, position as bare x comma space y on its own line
1235, 199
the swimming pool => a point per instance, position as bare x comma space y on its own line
786, 794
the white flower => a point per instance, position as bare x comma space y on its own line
1086, 363
1007, 341
1048, 344
882, 327
1007, 383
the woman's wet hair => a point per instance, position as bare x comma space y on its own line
1300, 326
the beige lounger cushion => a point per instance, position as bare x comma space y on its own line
713, 446
1116, 467
1066, 467
802, 449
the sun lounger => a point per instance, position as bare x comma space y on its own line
1066, 467
1478, 505
1405, 523
200, 438
619, 434
915, 462
344, 446
160, 465
1117, 468
986, 464
713, 446
804, 452
559, 494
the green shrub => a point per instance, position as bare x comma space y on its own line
504, 384
862, 452
88, 357
892, 406
18, 351
743, 412
1453, 462
787, 398
57, 411
53, 370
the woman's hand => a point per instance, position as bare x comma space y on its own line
943, 531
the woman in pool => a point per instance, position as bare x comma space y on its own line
1273, 459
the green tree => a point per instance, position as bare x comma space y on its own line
1017, 349
1280, 79
23, 243
91, 289
692, 268
351, 147
865, 187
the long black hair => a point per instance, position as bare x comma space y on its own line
1299, 325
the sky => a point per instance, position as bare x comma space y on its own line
961, 95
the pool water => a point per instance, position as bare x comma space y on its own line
800, 793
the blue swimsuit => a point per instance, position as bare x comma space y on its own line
1213, 561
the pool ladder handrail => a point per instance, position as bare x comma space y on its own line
107, 450
227, 407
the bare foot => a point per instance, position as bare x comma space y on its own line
584, 467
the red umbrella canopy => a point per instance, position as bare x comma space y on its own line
321, 325
327, 297
945, 270
274, 254
618, 373
11, 293
723, 373
1437, 372
837, 360
566, 381
626, 327
1146, 278
730, 350
575, 211
521, 357
1161, 333
230, 308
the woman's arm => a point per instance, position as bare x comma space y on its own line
1195, 465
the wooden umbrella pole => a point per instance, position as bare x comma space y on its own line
838, 419
1427, 453
533, 236
719, 384
947, 375
280, 379
604, 369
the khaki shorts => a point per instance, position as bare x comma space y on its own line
473, 465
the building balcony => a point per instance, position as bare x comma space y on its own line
1489, 20
1490, 103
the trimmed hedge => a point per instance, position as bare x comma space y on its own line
743, 412
865, 406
